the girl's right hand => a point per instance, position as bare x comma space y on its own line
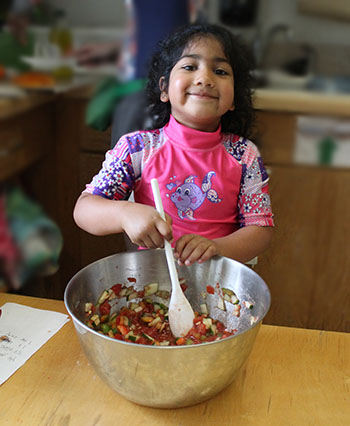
145, 227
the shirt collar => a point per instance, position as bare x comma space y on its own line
189, 138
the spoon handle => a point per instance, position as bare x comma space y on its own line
157, 198
168, 250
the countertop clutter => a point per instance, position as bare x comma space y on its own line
298, 101
292, 377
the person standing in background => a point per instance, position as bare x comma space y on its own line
15, 15
148, 23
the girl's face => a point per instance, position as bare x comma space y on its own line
201, 85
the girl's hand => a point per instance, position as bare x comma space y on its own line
145, 227
192, 248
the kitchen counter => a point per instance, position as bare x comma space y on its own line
302, 102
22, 101
292, 377
263, 99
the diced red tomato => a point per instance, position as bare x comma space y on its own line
123, 329
132, 280
117, 288
210, 289
184, 287
105, 308
118, 336
201, 328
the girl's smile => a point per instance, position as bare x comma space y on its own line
201, 85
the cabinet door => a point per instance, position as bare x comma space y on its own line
96, 247
307, 267
94, 140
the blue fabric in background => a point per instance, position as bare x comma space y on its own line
168, 14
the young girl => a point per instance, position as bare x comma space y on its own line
212, 179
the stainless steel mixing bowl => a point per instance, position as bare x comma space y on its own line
169, 376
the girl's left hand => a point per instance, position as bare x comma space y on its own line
192, 248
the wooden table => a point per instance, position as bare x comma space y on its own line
293, 377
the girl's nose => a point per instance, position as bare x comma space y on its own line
203, 78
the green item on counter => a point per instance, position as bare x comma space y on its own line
327, 146
11, 51
100, 108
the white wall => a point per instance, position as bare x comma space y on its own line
111, 13
93, 13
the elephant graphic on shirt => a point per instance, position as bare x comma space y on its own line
188, 197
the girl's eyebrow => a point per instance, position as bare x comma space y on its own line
216, 59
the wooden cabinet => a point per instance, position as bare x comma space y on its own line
307, 267
23, 142
80, 152
27, 146
335, 9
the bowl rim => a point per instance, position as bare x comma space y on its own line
132, 344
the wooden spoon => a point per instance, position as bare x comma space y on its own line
180, 312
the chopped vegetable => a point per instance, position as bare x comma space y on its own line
145, 321
248, 305
210, 289
221, 304
88, 307
204, 308
104, 296
230, 296
151, 289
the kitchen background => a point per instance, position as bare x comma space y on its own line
47, 153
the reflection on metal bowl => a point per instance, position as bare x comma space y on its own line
169, 376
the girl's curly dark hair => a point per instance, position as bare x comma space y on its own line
241, 120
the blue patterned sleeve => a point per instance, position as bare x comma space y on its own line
116, 178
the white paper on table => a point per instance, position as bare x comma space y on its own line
23, 330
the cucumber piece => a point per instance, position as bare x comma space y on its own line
151, 289
221, 304
204, 308
104, 296
123, 292
189, 342
248, 305
132, 337
88, 307
148, 337
234, 300
213, 329
133, 306
207, 322
132, 295
230, 296
163, 294
155, 321
105, 328
95, 319
111, 295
